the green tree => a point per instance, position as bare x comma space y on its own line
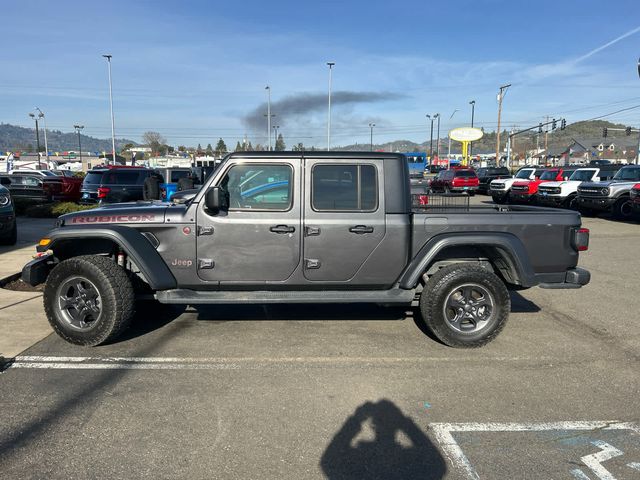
299, 147
199, 149
239, 147
182, 148
221, 148
280, 145
249, 147
209, 150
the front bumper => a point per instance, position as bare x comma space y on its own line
596, 203
522, 197
550, 200
572, 278
37, 270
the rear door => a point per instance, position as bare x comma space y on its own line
344, 219
259, 238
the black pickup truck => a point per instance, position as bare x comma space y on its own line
305, 227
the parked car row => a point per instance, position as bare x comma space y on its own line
589, 190
42, 185
8, 227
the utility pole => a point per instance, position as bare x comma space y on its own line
430, 141
275, 136
78, 129
46, 143
473, 110
546, 139
330, 64
371, 125
503, 91
437, 115
268, 89
32, 115
113, 128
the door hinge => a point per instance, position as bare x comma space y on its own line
311, 263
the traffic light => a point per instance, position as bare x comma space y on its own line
604, 132
540, 128
554, 124
563, 124
628, 131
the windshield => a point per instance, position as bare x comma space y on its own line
631, 174
48, 173
549, 175
582, 175
524, 173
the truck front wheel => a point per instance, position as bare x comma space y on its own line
465, 305
88, 300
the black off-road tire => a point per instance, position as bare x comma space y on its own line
151, 189
622, 209
571, 203
498, 200
12, 238
116, 299
185, 184
440, 288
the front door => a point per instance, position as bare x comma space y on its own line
344, 219
258, 239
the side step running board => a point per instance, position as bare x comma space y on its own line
194, 297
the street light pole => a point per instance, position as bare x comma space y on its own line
32, 115
78, 128
330, 64
268, 89
503, 90
437, 115
449, 151
275, 136
371, 125
46, 143
473, 109
113, 129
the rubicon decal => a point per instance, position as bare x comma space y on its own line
114, 219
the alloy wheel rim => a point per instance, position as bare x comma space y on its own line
469, 308
79, 303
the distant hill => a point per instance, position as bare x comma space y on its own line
14, 138
559, 138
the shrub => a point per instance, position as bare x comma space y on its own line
54, 210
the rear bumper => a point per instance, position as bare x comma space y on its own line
596, 203
572, 278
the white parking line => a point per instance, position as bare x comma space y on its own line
219, 363
444, 435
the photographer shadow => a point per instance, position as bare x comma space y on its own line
379, 442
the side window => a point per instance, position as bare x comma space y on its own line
31, 181
178, 174
344, 187
259, 187
5, 181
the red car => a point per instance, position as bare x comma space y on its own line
456, 180
524, 191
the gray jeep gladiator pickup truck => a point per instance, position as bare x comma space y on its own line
305, 227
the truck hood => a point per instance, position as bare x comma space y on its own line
118, 213
608, 183
563, 183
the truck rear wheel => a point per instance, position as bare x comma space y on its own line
88, 300
465, 305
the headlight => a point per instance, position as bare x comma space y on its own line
4, 200
604, 191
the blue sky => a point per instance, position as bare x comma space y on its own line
196, 70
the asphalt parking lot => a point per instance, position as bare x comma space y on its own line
341, 392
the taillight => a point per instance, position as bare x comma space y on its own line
103, 191
581, 239
423, 199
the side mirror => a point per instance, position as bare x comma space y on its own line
596, 179
216, 200
566, 179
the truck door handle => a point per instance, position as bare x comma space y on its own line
360, 229
282, 229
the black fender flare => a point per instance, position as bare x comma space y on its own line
510, 247
132, 242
